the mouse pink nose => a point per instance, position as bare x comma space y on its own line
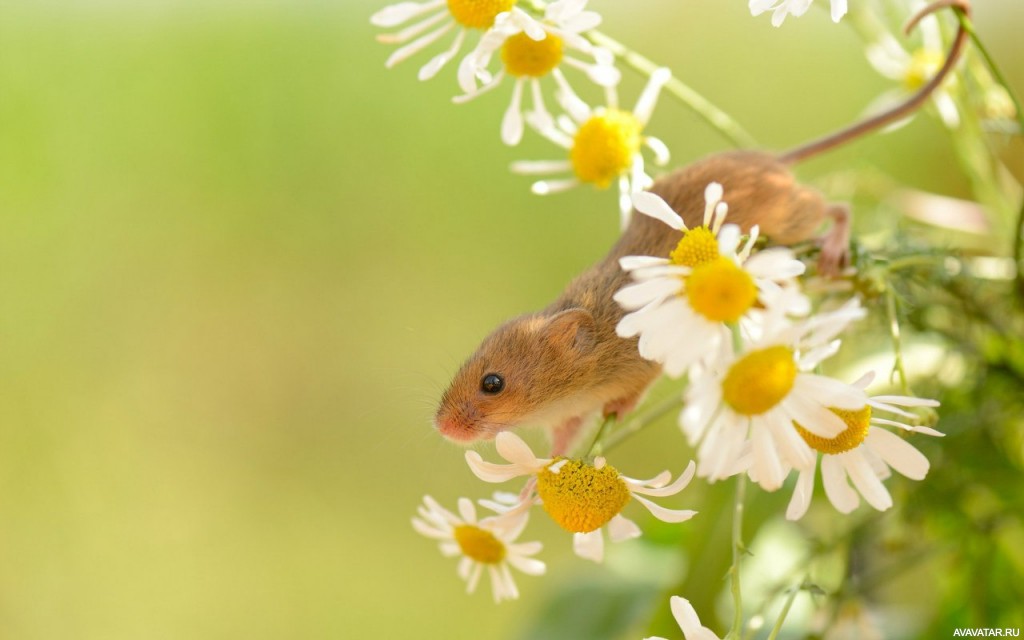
454, 429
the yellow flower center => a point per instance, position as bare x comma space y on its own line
696, 247
857, 424
604, 147
479, 544
581, 498
720, 290
924, 64
524, 56
478, 14
759, 380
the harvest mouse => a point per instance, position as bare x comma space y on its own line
560, 365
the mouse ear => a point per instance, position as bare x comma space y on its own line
571, 329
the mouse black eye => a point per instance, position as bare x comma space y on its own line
492, 384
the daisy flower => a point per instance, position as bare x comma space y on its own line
862, 454
603, 144
680, 305
443, 16
689, 623
528, 59
913, 69
582, 497
755, 397
782, 8
488, 543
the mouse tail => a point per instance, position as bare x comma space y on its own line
906, 107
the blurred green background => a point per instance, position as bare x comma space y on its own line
239, 261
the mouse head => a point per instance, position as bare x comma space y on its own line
519, 373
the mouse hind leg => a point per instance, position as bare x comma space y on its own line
835, 243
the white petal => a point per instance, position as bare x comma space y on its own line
515, 450
865, 479
652, 205
688, 621
430, 69
775, 263
793, 448
634, 296
813, 416
905, 401
416, 45
467, 510
473, 579
547, 187
767, 465
529, 566
839, 492
802, 493
838, 9
490, 472
540, 167
660, 149
630, 263
663, 514
669, 490
589, 546
649, 96
396, 14
411, 32
898, 453
621, 529
512, 122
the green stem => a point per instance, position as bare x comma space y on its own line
1018, 238
595, 446
897, 341
718, 119
785, 610
737, 553
674, 401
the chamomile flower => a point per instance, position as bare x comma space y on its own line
443, 16
528, 59
862, 454
583, 497
680, 305
603, 144
747, 402
689, 623
913, 69
782, 8
488, 543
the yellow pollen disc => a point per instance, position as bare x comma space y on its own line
924, 64
580, 497
479, 544
524, 56
759, 380
857, 424
720, 290
478, 14
604, 147
696, 247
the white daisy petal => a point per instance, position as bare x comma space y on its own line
621, 529
589, 546
865, 479
396, 14
663, 514
839, 492
688, 621
898, 454
417, 45
512, 122
802, 493
490, 472
652, 205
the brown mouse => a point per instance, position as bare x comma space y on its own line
556, 367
